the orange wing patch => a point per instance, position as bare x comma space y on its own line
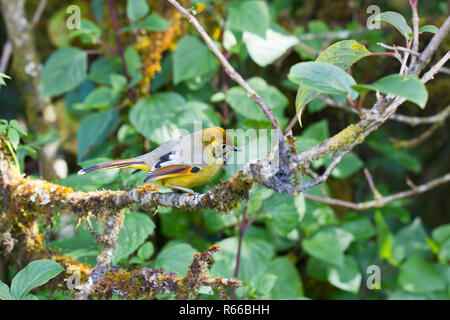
171, 171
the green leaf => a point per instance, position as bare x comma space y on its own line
397, 21
384, 237
153, 22
348, 277
4, 291
288, 283
313, 27
419, 276
323, 77
81, 247
132, 60
102, 69
444, 252
251, 16
348, 166
145, 251
441, 233
265, 50
192, 59
359, 226
328, 245
263, 283
316, 217
429, 28
256, 254
99, 98
342, 54
2, 77
136, 228
63, 71
35, 274
175, 258
13, 137
245, 106
318, 131
284, 211
118, 84
411, 240
406, 86
13, 123
136, 9
174, 223
401, 157
93, 130
88, 33
166, 115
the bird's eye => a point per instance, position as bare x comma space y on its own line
223, 146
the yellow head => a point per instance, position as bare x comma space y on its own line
218, 144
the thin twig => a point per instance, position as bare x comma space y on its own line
372, 186
326, 174
435, 69
414, 142
383, 201
431, 48
6, 55
228, 67
38, 13
291, 124
415, 20
412, 121
397, 48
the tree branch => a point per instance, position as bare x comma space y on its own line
378, 203
227, 66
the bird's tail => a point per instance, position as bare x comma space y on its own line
125, 163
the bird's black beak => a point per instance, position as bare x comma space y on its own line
236, 149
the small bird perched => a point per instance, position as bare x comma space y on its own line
180, 163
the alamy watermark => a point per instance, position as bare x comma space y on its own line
373, 281
73, 22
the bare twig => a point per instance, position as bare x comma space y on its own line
415, 21
383, 201
397, 48
6, 55
412, 121
404, 66
432, 46
228, 67
369, 178
411, 143
291, 124
435, 69
326, 174
38, 13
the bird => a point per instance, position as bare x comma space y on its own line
180, 163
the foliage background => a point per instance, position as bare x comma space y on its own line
294, 248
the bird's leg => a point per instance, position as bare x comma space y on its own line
182, 188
